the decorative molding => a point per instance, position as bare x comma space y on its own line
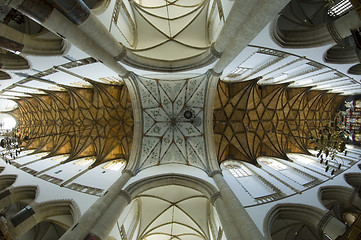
214, 51
126, 195
214, 173
323, 222
214, 197
121, 55
334, 33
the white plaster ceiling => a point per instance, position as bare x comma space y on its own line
167, 136
170, 30
173, 212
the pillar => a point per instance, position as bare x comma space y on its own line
92, 216
109, 218
69, 25
243, 221
258, 16
229, 227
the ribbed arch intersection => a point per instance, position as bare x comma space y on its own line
250, 120
81, 122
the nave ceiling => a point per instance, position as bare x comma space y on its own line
250, 118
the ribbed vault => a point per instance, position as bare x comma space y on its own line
252, 121
164, 26
81, 122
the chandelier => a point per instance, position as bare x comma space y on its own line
329, 142
11, 144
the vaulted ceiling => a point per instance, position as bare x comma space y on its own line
168, 137
95, 121
252, 120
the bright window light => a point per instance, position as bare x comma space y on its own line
239, 171
300, 158
60, 158
85, 162
8, 123
274, 164
115, 165
340, 8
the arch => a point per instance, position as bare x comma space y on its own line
290, 29
331, 196
4, 75
340, 54
51, 210
62, 213
24, 194
11, 61
353, 179
6, 181
179, 196
295, 213
355, 69
200, 185
16, 41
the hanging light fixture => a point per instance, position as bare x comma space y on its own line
190, 115
329, 143
11, 143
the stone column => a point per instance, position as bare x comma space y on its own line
90, 218
109, 218
243, 221
228, 224
236, 16
74, 26
248, 26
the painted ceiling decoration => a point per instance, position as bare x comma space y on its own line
168, 136
163, 25
252, 120
82, 122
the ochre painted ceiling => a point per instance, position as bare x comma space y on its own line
81, 122
252, 120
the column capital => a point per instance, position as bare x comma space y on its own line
333, 32
323, 222
214, 51
214, 73
126, 195
121, 55
127, 74
215, 172
214, 197
130, 172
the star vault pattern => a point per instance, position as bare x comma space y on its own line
168, 137
252, 120
80, 122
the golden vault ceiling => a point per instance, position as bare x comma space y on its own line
252, 120
80, 122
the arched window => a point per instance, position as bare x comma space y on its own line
260, 189
239, 171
